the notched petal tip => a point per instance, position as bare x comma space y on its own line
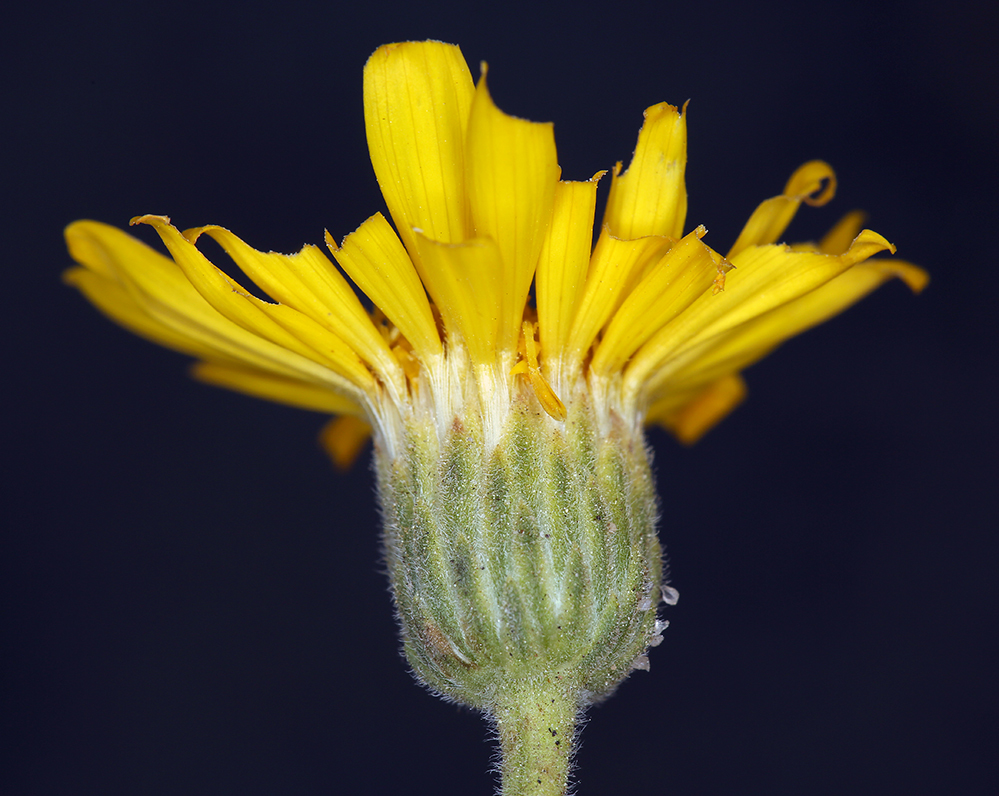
661, 109
650, 198
393, 48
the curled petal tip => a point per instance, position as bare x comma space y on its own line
814, 183
192, 234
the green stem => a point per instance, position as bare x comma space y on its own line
536, 723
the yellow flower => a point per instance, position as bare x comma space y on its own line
520, 518
652, 323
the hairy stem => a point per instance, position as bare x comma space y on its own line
536, 723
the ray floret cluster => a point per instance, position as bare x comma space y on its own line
650, 319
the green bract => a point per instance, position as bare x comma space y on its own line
535, 558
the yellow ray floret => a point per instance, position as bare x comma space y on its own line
149, 294
512, 171
690, 269
650, 198
763, 278
692, 414
467, 291
278, 323
563, 260
375, 259
309, 284
272, 387
417, 98
616, 265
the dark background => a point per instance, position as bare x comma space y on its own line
191, 596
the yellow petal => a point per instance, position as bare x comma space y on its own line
281, 325
103, 249
914, 277
614, 269
309, 283
271, 387
344, 439
417, 97
375, 259
115, 302
813, 183
127, 272
463, 280
511, 174
563, 261
650, 198
697, 416
764, 277
687, 271
751, 341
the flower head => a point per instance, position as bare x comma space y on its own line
652, 323
516, 490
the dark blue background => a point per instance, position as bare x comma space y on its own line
192, 597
